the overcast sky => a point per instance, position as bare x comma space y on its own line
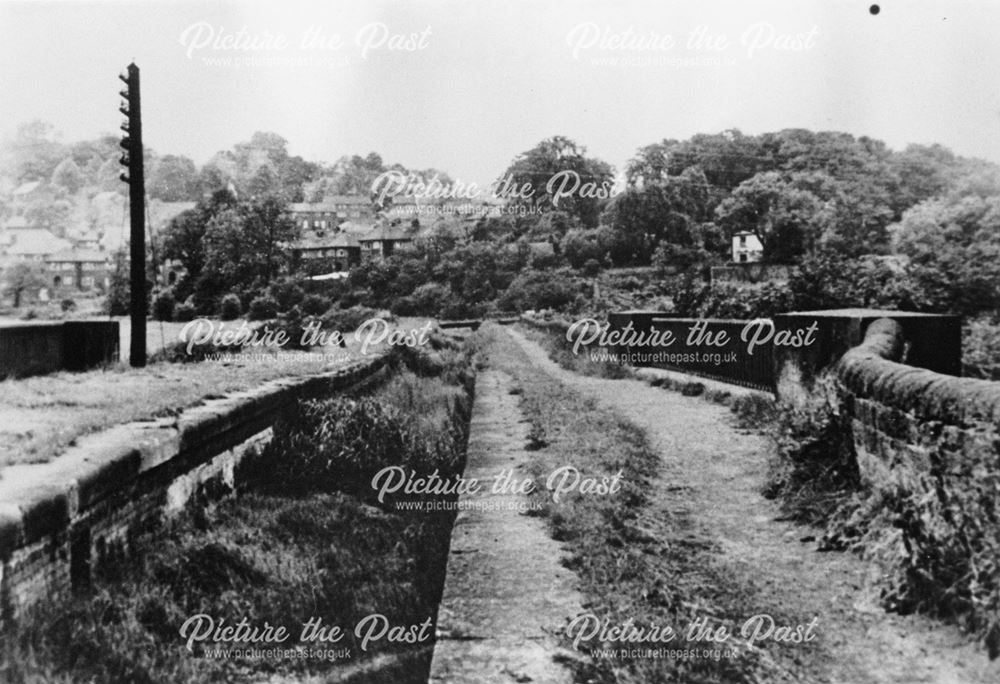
487, 80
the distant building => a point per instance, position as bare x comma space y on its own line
331, 212
31, 244
342, 248
385, 241
82, 269
747, 248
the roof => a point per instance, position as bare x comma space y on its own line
17, 222
356, 227
34, 242
329, 205
346, 199
337, 241
79, 255
386, 234
26, 188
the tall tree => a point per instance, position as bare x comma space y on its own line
563, 178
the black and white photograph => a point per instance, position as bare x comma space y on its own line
468, 342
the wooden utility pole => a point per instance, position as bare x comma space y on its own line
132, 160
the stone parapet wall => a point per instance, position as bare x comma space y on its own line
65, 521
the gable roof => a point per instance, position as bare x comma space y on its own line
386, 234
90, 256
33, 242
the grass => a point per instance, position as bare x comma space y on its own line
627, 572
277, 554
560, 351
41, 416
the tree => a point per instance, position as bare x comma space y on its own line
954, 249
244, 245
33, 153
782, 216
562, 178
665, 209
22, 277
184, 238
173, 178
67, 175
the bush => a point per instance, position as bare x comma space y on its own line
426, 300
68, 305
538, 290
315, 305
815, 468
230, 307
981, 348
341, 443
286, 294
185, 311
163, 305
347, 320
591, 268
262, 308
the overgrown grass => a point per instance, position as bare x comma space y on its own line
668, 576
814, 470
937, 540
290, 548
561, 351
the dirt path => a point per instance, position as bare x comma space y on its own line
713, 472
506, 591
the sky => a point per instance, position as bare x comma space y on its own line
464, 85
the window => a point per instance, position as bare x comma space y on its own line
743, 240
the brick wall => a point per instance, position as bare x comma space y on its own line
66, 521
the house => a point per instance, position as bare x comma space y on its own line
384, 241
343, 248
331, 212
31, 244
78, 268
351, 206
747, 248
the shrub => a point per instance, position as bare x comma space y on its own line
68, 305
538, 290
230, 307
286, 294
591, 268
262, 308
315, 305
185, 311
346, 320
163, 305
341, 443
815, 468
426, 300
981, 349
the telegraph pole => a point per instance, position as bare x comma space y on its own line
132, 160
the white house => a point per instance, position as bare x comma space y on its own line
747, 248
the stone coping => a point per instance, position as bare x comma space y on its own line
40, 499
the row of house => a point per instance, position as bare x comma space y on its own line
348, 230
81, 257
